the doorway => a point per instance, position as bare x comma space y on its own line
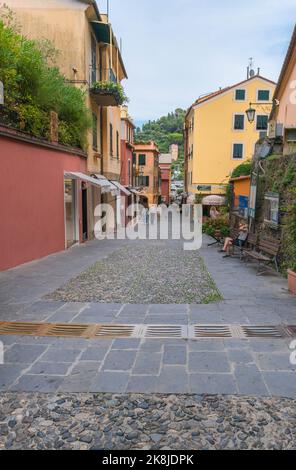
70, 212
84, 213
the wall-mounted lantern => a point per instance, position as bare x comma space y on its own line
251, 111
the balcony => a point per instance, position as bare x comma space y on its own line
108, 93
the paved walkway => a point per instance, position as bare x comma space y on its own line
212, 366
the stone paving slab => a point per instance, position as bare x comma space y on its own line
218, 366
214, 366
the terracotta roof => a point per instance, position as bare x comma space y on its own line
207, 97
244, 177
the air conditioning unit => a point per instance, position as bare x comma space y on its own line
279, 130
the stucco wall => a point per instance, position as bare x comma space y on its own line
32, 200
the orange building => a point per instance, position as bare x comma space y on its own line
146, 170
165, 163
241, 193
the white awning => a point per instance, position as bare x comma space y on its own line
84, 177
122, 188
108, 186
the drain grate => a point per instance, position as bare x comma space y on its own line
70, 330
20, 328
165, 331
67, 330
212, 331
263, 331
115, 331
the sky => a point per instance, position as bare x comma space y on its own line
176, 50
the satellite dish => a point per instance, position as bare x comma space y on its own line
252, 73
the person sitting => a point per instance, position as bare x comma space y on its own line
214, 213
239, 241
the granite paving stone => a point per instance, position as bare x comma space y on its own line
119, 360
61, 355
208, 361
147, 363
175, 355
249, 380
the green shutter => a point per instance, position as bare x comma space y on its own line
263, 95
237, 151
240, 95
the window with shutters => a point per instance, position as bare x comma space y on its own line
263, 95
95, 131
142, 159
240, 95
117, 144
261, 123
237, 151
144, 181
93, 72
111, 139
239, 122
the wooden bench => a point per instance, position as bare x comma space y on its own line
217, 237
251, 244
268, 249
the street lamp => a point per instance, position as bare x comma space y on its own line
250, 112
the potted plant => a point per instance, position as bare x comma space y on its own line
292, 279
108, 93
292, 270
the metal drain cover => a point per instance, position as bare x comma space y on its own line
262, 331
212, 331
165, 331
71, 330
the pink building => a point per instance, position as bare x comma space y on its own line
283, 115
44, 197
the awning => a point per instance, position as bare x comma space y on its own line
84, 177
213, 200
102, 31
122, 188
108, 186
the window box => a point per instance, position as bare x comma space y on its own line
108, 93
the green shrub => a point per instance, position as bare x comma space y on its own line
244, 169
221, 224
33, 87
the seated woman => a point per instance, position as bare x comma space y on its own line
239, 241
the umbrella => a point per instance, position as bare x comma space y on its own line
213, 200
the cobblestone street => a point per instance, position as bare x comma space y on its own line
245, 374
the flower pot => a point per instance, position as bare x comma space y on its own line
292, 281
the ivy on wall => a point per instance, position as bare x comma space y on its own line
280, 177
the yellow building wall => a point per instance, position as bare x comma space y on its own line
214, 135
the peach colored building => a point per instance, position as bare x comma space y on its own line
146, 170
283, 115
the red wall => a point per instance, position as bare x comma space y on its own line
32, 200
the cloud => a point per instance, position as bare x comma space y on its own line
176, 50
